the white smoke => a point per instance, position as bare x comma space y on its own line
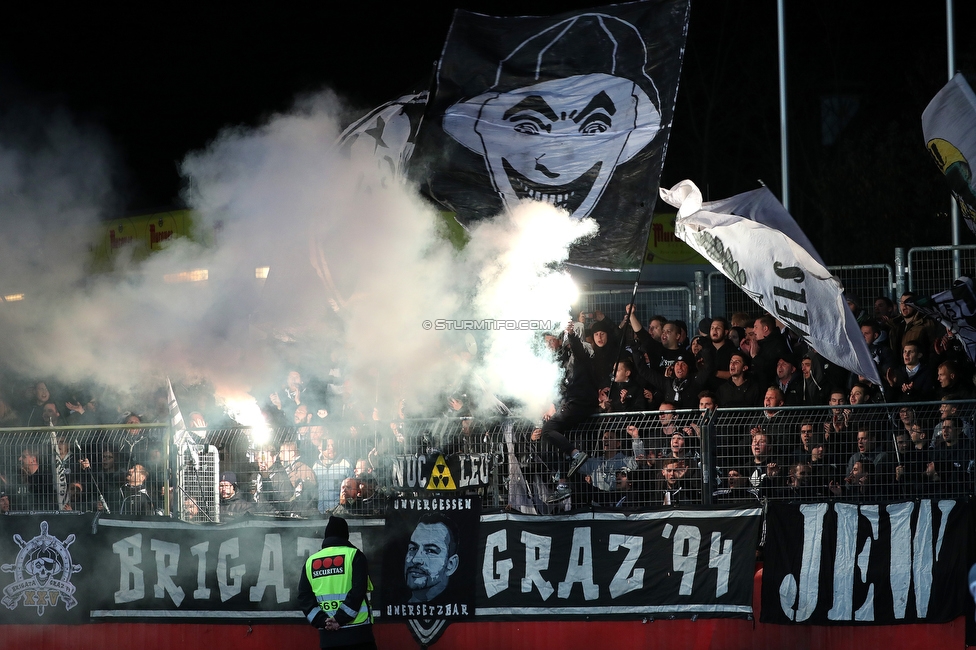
514, 256
353, 257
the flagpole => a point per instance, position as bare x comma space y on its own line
954, 207
633, 298
783, 148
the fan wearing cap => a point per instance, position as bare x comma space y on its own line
789, 380
333, 591
680, 382
232, 504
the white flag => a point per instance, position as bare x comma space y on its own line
949, 127
754, 241
60, 473
184, 441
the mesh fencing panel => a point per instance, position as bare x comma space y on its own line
300, 471
867, 281
858, 453
635, 461
674, 303
197, 497
725, 298
932, 269
114, 469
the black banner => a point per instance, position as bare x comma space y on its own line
152, 569
846, 563
674, 562
47, 566
574, 110
439, 472
432, 561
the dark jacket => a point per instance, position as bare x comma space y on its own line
579, 383
234, 507
919, 388
748, 394
357, 594
764, 363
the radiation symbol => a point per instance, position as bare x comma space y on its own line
440, 476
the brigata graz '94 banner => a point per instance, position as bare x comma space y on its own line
573, 110
847, 563
680, 562
444, 566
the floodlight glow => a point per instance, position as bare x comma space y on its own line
196, 275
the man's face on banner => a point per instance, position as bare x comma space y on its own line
560, 141
429, 563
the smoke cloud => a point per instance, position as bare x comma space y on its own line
357, 267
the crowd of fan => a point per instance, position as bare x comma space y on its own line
745, 361
324, 455
333, 457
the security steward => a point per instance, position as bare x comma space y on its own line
333, 588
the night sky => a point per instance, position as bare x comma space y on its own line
160, 81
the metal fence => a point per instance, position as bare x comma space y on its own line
674, 303
647, 460
859, 453
113, 469
725, 298
932, 269
636, 461
866, 281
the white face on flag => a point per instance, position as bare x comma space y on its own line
558, 141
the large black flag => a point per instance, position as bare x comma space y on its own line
573, 110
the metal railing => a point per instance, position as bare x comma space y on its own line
674, 303
117, 469
637, 461
932, 269
866, 281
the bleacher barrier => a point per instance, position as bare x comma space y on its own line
116, 469
866, 281
197, 485
637, 461
932, 269
674, 303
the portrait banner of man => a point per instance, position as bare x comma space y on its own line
430, 563
573, 110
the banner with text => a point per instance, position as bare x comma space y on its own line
674, 562
756, 244
848, 563
76, 569
47, 567
439, 472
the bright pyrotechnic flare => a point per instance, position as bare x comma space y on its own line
519, 254
245, 409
